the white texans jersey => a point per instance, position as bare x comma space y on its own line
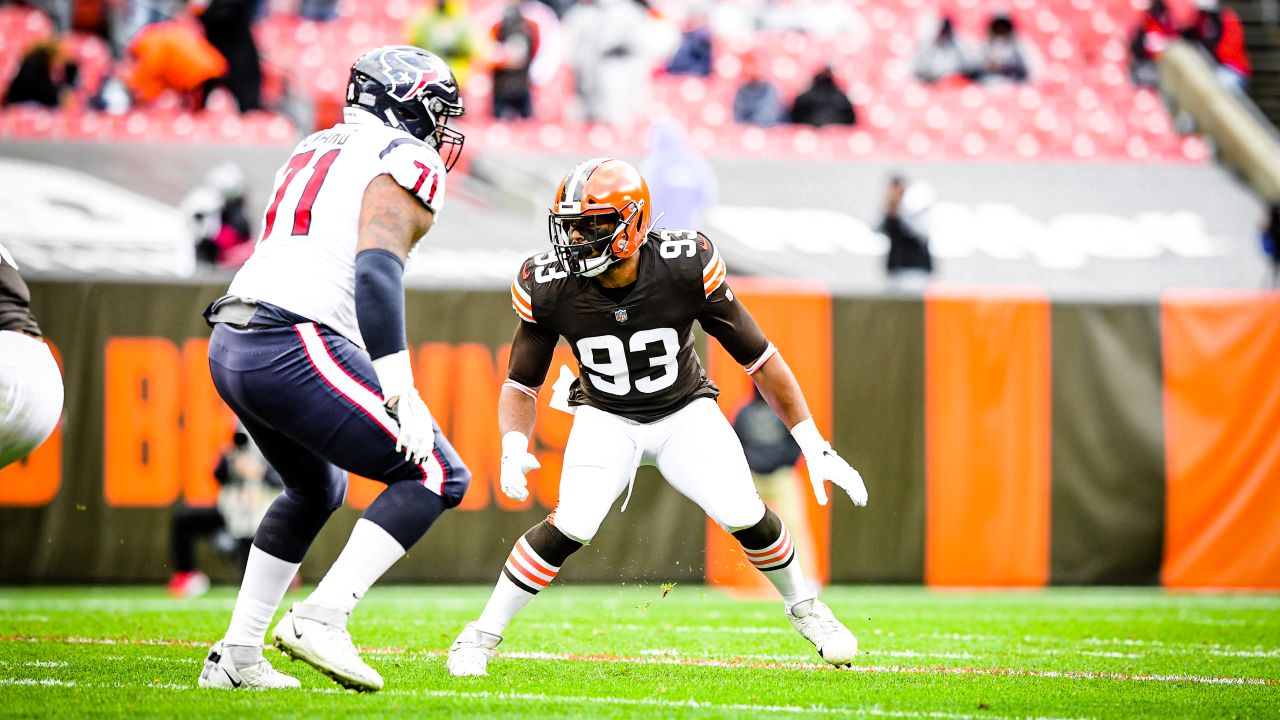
305, 258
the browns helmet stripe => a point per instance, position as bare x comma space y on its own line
573, 189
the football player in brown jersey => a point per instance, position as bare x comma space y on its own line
625, 297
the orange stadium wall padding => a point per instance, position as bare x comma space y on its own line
796, 317
1222, 426
987, 408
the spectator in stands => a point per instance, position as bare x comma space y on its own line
440, 26
1271, 242
1220, 32
173, 56
756, 101
605, 39
112, 96
247, 485
515, 42
59, 12
681, 183
824, 103
1152, 35
559, 7
228, 25
44, 77
1002, 57
129, 18
318, 10
693, 56
216, 216
906, 207
942, 56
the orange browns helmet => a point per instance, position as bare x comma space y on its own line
600, 215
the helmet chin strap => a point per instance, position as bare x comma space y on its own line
606, 259
595, 266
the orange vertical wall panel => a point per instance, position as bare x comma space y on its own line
987, 438
796, 317
1222, 439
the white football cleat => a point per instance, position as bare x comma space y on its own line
220, 672
471, 652
318, 636
814, 620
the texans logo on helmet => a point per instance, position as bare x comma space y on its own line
401, 73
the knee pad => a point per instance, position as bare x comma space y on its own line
763, 533
551, 543
406, 510
327, 495
291, 524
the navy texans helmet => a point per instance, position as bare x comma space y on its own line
410, 89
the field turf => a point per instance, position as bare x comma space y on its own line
628, 651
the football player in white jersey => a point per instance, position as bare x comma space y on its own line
30, 383
308, 348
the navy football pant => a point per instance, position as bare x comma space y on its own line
310, 399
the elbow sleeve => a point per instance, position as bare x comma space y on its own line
380, 302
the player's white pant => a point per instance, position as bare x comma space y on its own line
695, 449
30, 395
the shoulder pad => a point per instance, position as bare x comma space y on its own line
539, 275
691, 248
714, 268
417, 167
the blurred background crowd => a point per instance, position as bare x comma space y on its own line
841, 80
758, 62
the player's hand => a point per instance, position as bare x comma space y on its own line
417, 434
516, 461
825, 464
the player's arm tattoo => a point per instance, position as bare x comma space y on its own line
391, 218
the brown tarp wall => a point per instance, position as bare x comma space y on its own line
1006, 440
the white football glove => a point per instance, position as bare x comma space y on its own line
516, 461
824, 464
417, 434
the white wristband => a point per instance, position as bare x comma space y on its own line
395, 375
808, 438
514, 443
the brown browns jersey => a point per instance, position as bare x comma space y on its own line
635, 354
15, 298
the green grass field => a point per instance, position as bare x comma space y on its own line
697, 653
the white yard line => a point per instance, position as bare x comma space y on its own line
752, 710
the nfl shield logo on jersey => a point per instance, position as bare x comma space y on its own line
620, 314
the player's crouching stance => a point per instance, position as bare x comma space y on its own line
308, 349
626, 298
